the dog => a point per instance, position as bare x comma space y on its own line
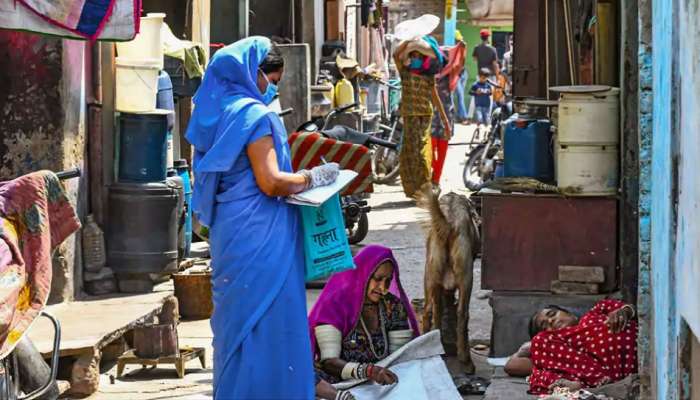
451, 246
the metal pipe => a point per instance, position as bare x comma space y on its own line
569, 50
294, 20
546, 45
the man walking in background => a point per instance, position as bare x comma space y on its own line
485, 55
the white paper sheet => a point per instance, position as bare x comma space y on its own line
317, 196
421, 371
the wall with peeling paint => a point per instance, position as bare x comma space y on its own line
688, 229
645, 113
669, 195
663, 273
42, 125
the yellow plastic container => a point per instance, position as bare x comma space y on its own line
344, 93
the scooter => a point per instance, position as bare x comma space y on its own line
355, 207
480, 166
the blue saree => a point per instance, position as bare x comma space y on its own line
261, 341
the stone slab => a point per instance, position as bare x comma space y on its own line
504, 387
573, 273
512, 312
95, 322
559, 287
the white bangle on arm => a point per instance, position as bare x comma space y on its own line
631, 308
329, 339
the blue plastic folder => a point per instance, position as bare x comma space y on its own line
326, 246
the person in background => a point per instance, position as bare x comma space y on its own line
500, 88
481, 91
508, 58
418, 61
447, 83
486, 55
565, 351
459, 100
243, 171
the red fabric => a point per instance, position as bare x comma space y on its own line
308, 148
455, 64
588, 352
439, 155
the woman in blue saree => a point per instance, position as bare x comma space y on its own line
242, 172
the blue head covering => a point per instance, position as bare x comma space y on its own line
228, 106
436, 48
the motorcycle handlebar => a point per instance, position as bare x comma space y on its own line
345, 108
69, 174
285, 112
382, 142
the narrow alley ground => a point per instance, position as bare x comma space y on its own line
394, 222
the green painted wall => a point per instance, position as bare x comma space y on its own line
471, 36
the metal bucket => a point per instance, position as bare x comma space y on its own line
155, 341
193, 292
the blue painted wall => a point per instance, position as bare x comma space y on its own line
688, 228
662, 218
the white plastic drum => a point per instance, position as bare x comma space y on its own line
136, 85
589, 118
148, 43
592, 169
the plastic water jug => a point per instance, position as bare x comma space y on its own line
344, 93
528, 150
94, 254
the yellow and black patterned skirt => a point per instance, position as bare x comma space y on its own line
416, 154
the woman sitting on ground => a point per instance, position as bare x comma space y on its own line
361, 317
597, 349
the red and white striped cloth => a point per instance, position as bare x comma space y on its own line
308, 148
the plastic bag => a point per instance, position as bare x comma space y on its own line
326, 246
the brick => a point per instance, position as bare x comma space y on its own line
85, 375
571, 273
574, 288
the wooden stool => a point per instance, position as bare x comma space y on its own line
186, 354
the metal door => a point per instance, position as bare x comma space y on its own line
529, 52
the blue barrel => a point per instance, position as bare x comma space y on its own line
176, 181
165, 99
143, 147
500, 170
183, 170
528, 150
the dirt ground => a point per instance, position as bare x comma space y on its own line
394, 222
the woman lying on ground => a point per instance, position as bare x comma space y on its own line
597, 349
361, 317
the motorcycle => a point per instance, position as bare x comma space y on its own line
482, 160
25, 359
385, 161
355, 207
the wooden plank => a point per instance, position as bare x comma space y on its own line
86, 325
332, 20
184, 113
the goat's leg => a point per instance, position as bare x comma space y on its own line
465, 292
438, 306
428, 306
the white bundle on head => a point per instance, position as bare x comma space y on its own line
416, 28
